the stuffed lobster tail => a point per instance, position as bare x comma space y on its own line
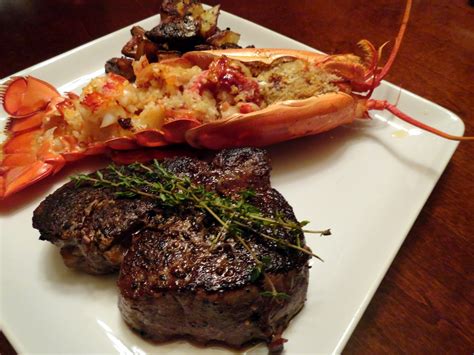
356, 78
207, 99
46, 130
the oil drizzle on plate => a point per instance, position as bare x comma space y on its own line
401, 133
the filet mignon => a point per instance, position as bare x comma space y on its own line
91, 226
174, 281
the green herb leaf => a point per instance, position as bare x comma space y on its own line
277, 295
235, 216
266, 260
255, 274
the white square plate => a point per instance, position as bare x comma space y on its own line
367, 182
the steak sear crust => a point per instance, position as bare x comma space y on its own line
91, 226
175, 279
174, 282
236, 317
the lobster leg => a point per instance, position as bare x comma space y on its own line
385, 105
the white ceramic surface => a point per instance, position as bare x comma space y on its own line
367, 182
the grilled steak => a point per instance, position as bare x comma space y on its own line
91, 226
176, 280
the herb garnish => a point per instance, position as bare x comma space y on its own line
235, 216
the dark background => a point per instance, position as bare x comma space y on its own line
424, 304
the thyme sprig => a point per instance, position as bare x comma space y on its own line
234, 215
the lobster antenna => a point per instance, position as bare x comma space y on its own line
396, 46
399, 95
385, 105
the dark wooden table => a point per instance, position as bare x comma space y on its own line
424, 304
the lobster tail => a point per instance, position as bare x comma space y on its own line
25, 96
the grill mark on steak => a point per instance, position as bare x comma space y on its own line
173, 282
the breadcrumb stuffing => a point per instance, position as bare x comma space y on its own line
294, 80
166, 92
